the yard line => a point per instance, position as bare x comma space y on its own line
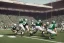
1, 35
11, 36
42, 39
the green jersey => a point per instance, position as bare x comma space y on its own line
20, 22
38, 24
24, 22
52, 26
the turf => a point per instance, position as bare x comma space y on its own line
19, 39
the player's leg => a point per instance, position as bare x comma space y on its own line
41, 29
14, 30
55, 30
21, 29
27, 27
52, 33
34, 30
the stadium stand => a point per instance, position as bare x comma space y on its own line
10, 13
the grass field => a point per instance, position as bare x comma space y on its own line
27, 39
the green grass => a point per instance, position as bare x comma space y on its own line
18, 39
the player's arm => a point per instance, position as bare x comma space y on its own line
55, 29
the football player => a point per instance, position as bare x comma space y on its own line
21, 27
38, 25
14, 28
52, 29
25, 24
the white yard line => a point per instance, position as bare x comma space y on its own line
43, 39
11, 36
1, 35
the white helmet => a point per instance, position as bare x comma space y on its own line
47, 22
26, 19
39, 20
14, 24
